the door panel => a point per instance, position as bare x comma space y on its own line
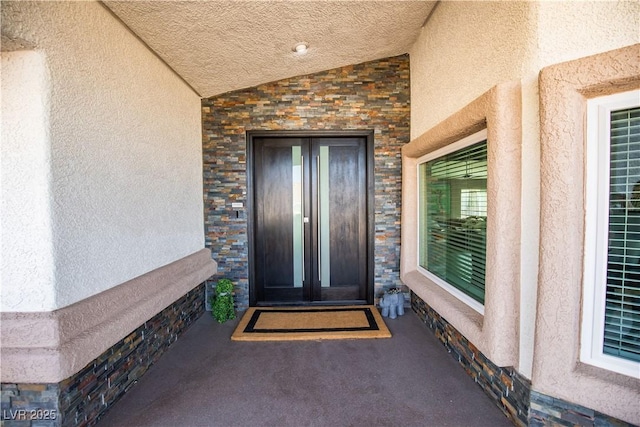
279, 247
342, 195
310, 219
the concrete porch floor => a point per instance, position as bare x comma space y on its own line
207, 380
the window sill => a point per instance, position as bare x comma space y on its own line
461, 316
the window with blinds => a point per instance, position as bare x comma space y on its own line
611, 295
622, 300
453, 217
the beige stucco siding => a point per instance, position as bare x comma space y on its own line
557, 368
121, 154
465, 49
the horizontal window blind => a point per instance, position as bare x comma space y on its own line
453, 201
622, 305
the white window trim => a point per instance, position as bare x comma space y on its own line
596, 232
455, 146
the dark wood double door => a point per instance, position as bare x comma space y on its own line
310, 228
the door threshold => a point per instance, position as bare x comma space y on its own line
309, 303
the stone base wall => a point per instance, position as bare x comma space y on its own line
510, 391
30, 405
506, 387
84, 398
549, 411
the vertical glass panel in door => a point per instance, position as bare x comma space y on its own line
297, 200
324, 225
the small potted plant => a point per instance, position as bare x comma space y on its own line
222, 301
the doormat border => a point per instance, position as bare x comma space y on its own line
246, 331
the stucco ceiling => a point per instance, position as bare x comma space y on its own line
218, 46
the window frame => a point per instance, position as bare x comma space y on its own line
450, 148
597, 175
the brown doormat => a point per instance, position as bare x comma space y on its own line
310, 323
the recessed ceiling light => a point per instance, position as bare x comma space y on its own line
301, 48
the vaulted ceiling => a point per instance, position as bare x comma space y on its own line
218, 46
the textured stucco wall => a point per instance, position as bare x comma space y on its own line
569, 30
557, 370
46, 347
467, 47
25, 211
496, 332
369, 96
125, 153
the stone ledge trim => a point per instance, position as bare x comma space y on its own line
507, 388
51, 346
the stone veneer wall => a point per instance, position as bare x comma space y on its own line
549, 411
372, 95
83, 399
510, 391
